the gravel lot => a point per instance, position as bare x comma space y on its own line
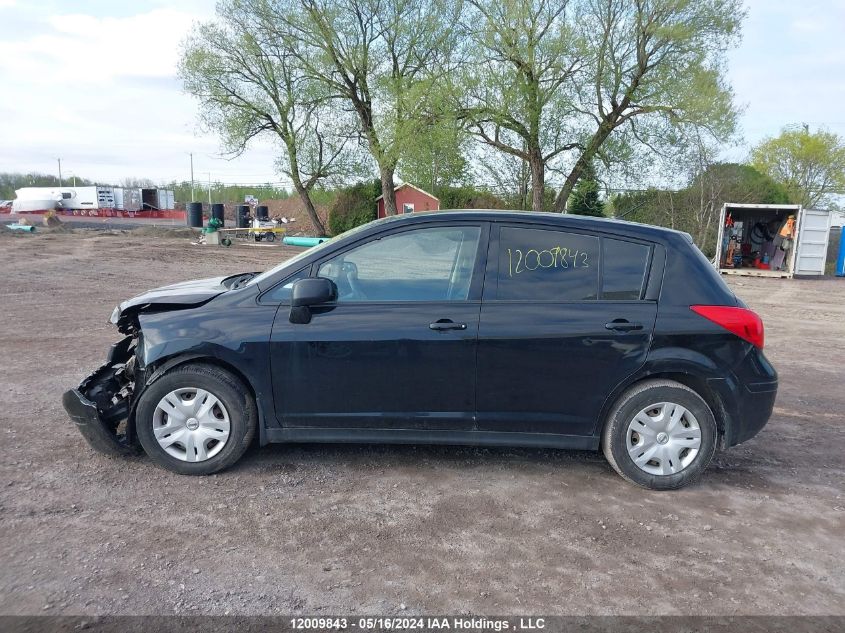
367, 529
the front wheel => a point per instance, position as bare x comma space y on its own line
660, 435
196, 419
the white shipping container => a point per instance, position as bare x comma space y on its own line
127, 198
809, 246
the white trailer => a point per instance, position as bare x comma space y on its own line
755, 236
82, 198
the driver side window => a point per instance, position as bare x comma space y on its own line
425, 264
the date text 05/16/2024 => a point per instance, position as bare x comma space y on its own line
418, 623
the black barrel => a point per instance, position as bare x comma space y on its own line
262, 212
243, 216
217, 211
195, 214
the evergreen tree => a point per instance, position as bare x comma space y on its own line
585, 196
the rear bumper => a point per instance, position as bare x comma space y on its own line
96, 432
748, 397
756, 405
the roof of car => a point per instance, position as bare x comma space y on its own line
563, 219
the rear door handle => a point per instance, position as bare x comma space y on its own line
446, 324
621, 325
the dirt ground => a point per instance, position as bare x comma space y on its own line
313, 529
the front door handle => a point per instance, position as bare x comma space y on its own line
621, 325
446, 324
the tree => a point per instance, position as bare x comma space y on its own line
436, 158
696, 207
515, 94
249, 84
354, 206
743, 184
809, 166
653, 69
9, 182
383, 58
585, 197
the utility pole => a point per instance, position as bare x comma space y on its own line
192, 176
60, 171
209, 190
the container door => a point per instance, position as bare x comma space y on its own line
813, 235
721, 235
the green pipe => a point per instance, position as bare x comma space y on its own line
21, 227
304, 241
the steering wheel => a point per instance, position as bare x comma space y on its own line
350, 271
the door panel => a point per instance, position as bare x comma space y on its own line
397, 349
560, 329
548, 367
372, 365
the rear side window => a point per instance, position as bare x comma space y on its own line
547, 265
623, 270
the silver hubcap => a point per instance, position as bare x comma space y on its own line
191, 424
663, 438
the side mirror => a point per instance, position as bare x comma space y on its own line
310, 292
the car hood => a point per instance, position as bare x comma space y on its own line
186, 294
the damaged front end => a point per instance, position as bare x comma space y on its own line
102, 404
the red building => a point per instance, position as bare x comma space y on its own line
410, 199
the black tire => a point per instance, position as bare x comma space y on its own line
232, 393
634, 400
269, 237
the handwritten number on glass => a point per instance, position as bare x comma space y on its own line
557, 257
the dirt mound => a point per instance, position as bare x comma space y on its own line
51, 221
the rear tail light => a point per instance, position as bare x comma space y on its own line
741, 321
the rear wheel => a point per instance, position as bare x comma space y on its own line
660, 435
196, 419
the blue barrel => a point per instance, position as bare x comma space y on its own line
195, 214
840, 261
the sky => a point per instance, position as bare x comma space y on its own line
93, 82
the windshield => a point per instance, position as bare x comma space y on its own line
296, 258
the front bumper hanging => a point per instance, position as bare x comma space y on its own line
95, 431
104, 400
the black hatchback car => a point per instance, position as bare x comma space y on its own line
463, 327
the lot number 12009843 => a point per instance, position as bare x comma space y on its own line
557, 257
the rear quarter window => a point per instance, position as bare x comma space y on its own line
624, 268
